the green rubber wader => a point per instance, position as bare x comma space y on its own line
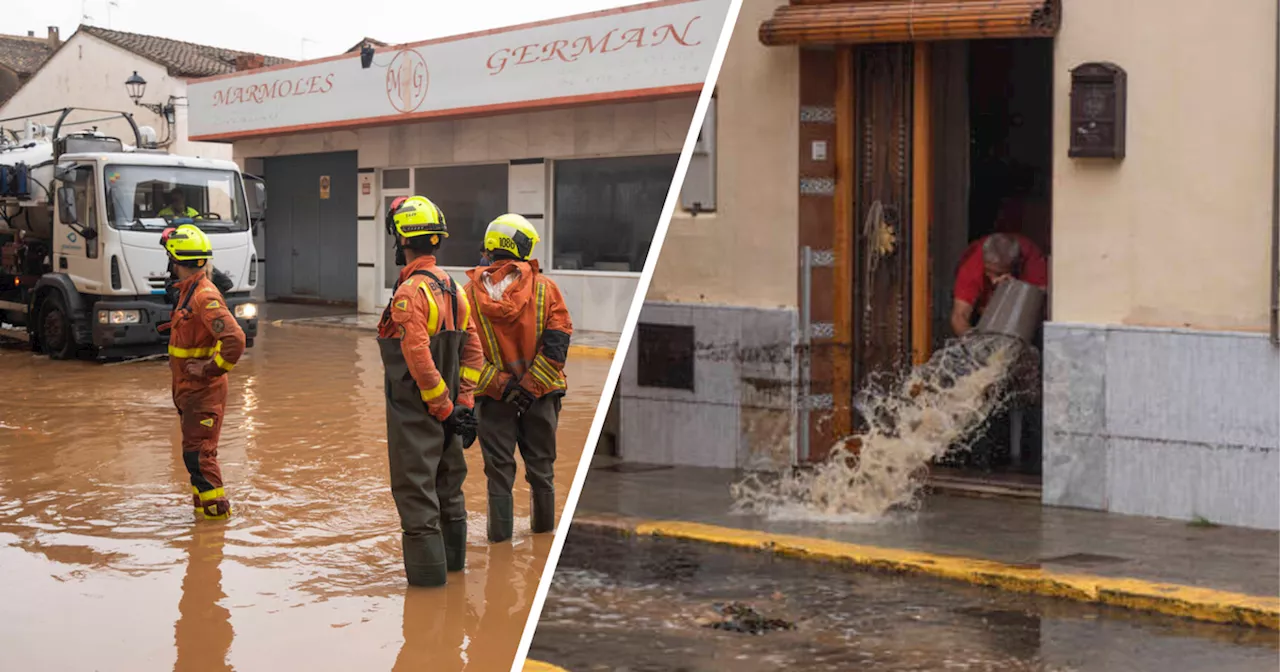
427, 463
502, 430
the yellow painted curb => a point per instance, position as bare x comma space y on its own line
536, 666
592, 351
1201, 604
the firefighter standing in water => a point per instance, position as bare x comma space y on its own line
205, 342
431, 355
525, 328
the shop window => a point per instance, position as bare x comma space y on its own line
665, 355
395, 179
470, 196
606, 210
698, 194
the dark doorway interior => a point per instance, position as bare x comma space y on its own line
993, 148
1011, 131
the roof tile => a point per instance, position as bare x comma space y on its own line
23, 55
183, 59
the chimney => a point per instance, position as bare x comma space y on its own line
249, 62
53, 37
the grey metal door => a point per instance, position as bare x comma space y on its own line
311, 240
305, 217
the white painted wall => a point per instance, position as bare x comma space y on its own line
1178, 233
758, 196
597, 301
88, 72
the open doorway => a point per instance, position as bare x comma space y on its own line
992, 147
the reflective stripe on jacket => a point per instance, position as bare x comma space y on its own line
525, 332
202, 327
424, 305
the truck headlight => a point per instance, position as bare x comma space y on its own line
119, 317
247, 311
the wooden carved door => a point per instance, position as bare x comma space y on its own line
882, 215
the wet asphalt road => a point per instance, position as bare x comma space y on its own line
644, 604
103, 567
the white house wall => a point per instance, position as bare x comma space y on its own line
598, 301
90, 73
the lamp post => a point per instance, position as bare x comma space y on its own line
137, 86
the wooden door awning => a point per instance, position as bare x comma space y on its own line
818, 22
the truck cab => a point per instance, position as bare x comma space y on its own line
84, 269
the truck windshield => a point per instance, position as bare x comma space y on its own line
156, 197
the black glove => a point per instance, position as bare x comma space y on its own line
462, 422
223, 282
518, 396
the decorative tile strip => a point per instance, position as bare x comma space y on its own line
820, 402
822, 330
817, 186
815, 114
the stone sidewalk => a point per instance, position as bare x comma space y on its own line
1210, 562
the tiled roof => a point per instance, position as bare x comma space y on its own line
23, 55
183, 59
369, 41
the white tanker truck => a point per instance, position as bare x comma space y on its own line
81, 213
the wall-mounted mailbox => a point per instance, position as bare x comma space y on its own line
1097, 111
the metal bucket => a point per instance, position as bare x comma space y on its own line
1016, 309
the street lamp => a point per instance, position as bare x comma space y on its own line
136, 86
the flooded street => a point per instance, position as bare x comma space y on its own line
97, 536
644, 604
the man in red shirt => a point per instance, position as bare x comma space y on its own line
987, 262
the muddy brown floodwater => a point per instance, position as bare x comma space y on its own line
102, 566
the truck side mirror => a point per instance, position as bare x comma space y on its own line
67, 204
257, 196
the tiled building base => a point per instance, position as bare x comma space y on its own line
1162, 422
739, 414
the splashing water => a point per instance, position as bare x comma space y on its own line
938, 406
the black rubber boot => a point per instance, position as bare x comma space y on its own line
455, 544
501, 518
542, 517
424, 560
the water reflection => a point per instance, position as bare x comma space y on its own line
451, 629
95, 518
203, 633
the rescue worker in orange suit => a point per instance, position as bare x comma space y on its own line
525, 328
432, 357
205, 342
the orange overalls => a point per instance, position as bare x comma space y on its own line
431, 355
203, 330
525, 328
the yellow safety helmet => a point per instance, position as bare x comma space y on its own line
512, 234
417, 216
187, 245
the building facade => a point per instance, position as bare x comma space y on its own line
876, 151
89, 70
576, 123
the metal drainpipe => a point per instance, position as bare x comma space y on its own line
1275, 202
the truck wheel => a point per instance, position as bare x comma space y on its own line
57, 337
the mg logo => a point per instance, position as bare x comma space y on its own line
407, 81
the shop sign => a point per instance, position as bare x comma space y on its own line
662, 48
